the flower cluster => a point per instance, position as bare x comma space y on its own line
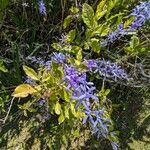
42, 7
98, 121
116, 34
81, 89
83, 92
106, 69
140, 12
56, 57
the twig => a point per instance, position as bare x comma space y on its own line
142, 71
11, 103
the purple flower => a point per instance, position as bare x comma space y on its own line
30, 81
42, 7
106, 69
91, 64
35, 60
84, 93
73, 78
113, 36
58, 58
140, 12
76, 81
42, 102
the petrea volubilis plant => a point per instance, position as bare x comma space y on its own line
78, 97
70, 93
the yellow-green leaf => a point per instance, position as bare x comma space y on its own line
56, 46
2, 67
66, 96
66, 111
46, 76
58, 108
23, 90
74, 10
71, 36
61, 118
67, 21
128, 22
30, 72
101, 9
88, 16
79, 55
95, 44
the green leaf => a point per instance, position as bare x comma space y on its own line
61, 118
128, 22
79, 55
23, 90
66, 96
134, 41
89, 33
30, 72
46, 76
2, 67
88, 16
101, 10
75, 49
76, 133
102, 30
95, 44
66, 111
72, 109
58, 108
111, 5
74, 10
71, 36
64, 140
56, 46
119, 15
67, 21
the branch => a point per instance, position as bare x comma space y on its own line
6, 117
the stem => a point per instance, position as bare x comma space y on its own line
11, 103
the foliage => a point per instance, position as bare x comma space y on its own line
70, 73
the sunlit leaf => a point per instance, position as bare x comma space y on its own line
134, 41
66, 111
30, 72
56, 46
71, 36
88, 16
67, 21
23, 90
100, 11
95, 44
58, 108
66, 96
74, 10
61, 118
128, 22
79, 55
